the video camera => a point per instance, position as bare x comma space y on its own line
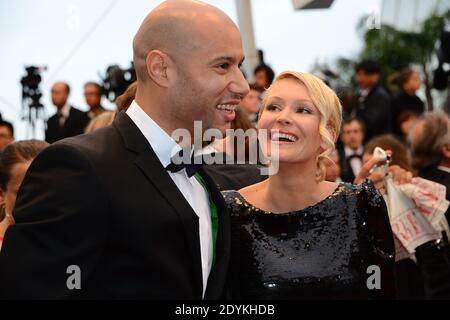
32, 108
30, 87
117, 80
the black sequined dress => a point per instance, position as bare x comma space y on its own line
321, 252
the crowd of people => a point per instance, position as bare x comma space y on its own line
103, 193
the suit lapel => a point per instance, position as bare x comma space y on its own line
151, 167
349, 169
218, 273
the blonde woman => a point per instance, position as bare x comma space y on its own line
295, 235
102, 120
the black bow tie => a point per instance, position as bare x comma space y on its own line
355, 155
184, 159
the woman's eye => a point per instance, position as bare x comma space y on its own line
272, 107
304, 110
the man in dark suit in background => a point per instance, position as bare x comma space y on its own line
351, 152
68, 121
374, 107
110, 207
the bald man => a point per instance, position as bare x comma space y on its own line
68, 121
108, 214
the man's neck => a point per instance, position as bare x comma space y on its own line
62, 109
370, 88
96, 110
163, 120
410, 92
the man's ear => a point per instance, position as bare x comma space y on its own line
157, 64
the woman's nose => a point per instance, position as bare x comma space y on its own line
284, 117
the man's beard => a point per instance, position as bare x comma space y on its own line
188, 105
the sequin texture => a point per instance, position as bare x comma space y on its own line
320, 252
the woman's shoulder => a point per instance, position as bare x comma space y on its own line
230, 195
235, 202
362, 198
233, 197
365, 190
241, 194
236, 199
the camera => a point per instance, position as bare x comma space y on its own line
30, 86
32, 108
117, 81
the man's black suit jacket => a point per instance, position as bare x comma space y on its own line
435, 263
347, 174
233, 176
375, 111
104, 203
75, 124
439, 176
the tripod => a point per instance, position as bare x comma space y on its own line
32, 109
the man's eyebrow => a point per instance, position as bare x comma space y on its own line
229, 59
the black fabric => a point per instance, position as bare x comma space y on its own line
185, 160
405, 102
434, 261
105, 203
75, 124
347, 174
320, 252
409, 280
235, 176
375, 111
353, 156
